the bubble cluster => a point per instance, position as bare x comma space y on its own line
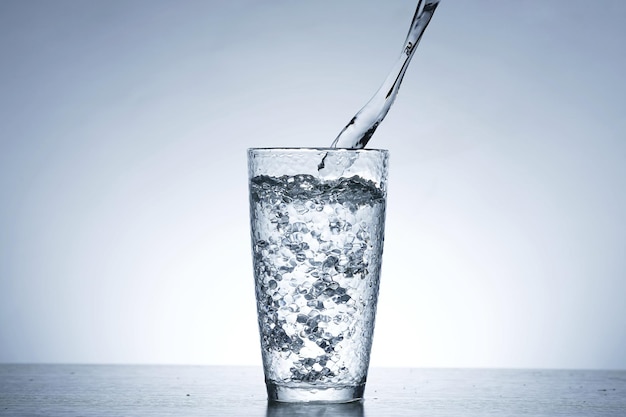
317, 248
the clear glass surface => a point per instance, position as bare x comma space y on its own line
317, 228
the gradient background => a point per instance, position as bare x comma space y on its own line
124, 210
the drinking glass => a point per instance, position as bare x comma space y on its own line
317, 220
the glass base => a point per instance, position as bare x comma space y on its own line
304, 393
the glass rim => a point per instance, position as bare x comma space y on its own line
316, 149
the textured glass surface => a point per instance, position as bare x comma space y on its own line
317, 240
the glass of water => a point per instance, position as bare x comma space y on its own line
317, 227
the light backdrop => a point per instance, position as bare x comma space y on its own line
124, 210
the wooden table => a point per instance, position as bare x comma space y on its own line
125, 390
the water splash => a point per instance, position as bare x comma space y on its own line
359, 131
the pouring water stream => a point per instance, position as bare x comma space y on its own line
357, 133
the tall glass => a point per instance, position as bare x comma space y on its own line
317, 227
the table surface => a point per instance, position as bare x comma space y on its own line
146, 390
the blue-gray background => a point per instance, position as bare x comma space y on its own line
123, 218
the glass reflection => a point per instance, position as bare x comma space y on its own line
353, 409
